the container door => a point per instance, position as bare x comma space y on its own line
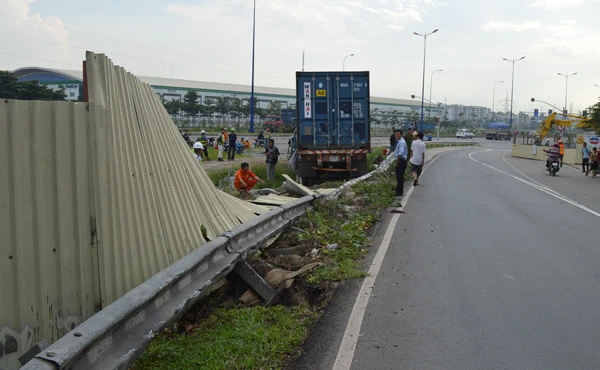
352, 110
315, 126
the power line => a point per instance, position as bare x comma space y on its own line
129, 43
43, 60
136, 57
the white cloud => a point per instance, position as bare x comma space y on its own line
557, 4
25, 28
511, 26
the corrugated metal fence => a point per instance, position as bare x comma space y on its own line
94, 199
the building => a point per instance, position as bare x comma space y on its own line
175, 89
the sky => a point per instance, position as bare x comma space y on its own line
211, 40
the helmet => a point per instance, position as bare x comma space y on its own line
232, 129
203, 132
560, 141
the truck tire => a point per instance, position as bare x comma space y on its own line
361, 168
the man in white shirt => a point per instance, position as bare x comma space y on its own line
198, 149
417, 158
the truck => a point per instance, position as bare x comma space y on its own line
332, 136
498, 131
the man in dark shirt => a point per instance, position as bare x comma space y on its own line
393, 140
232, 145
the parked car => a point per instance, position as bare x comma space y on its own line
464, 134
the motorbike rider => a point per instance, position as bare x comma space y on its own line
553, 154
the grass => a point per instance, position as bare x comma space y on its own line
240, 338
333, 223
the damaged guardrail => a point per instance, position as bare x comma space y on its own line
116, 336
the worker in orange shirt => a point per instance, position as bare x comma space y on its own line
245, 179
561, 147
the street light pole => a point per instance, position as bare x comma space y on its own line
431, 88
494, 96
423, 84
344, 63
512, 85
566, 75
251, 128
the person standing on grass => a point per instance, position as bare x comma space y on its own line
409, 137
221, 140
417, 157
585, 164
400, 153
232, 145
272, 154
204, 142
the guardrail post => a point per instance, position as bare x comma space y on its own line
255, 281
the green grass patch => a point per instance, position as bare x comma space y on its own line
346, 222
243, 338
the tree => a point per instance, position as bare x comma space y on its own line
593, 115
274, 108
190, 103
173, 106
11, 88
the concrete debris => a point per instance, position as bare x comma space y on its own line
272, 200
332, 246
293, 187
265, 191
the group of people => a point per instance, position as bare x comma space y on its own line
399, 149
590, 158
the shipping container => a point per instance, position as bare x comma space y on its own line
332, 125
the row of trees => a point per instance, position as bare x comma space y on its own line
232, 106
11, 88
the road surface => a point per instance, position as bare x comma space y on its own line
494, 265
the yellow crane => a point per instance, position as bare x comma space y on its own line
546, 126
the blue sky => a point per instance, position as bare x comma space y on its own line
211, 41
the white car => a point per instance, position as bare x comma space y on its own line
464, 134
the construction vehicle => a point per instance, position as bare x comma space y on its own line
546, 126
332, 135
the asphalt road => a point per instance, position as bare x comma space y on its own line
494, 265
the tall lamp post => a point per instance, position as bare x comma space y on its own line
431, 88
566, 76
251, 128
424, 35
512, 85
494, 96
344, 63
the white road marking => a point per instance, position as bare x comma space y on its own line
345, 354
535, 185
346, 351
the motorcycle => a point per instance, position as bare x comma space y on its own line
553, 166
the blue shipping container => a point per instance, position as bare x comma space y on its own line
332, 110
